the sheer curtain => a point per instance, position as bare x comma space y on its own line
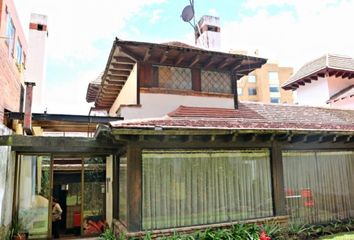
182, 188
318, 185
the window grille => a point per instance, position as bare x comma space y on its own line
175, 78
216, 82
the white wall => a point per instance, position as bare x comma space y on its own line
210, 40
155, 105
36, 64
128, 94
336, 84
315, 93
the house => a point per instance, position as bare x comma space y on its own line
188, 155
329, 78
194, 157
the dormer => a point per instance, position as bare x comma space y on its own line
149, 80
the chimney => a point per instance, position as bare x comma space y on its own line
207, 33
27, 125
36, 56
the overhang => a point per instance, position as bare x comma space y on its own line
124, 54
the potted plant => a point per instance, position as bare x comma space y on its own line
15, 231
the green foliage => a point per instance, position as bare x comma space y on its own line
108, 234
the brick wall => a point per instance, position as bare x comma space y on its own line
10, 82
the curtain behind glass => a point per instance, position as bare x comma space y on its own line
318, 185
183, 188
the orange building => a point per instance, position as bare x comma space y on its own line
264, 85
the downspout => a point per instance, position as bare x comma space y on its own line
27, 125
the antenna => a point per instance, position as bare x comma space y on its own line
188, 14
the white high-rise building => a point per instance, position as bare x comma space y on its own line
208, 34
36, 59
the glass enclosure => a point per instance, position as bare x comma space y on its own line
123, 189
186, 187
34, 195
94, 195
318, 185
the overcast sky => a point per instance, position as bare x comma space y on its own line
81, 33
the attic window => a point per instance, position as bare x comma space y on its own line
39, 27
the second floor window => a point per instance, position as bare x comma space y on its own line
273, 88
174, 77
275, 100
217, 82
10, 34
252, 91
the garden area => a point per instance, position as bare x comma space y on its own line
335, 230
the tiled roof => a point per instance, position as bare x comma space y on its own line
345, 93
320, 65
251, 116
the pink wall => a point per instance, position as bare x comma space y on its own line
347, 103
336, 84
11, 76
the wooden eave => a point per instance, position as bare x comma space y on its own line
64, 145
64, 122
320, 73
232, 135
124, 54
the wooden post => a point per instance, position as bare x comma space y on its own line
134, 186
277, 180
196, 80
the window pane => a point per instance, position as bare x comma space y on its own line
18, 52
174, 78
182, 188
274, 100
252, 78
217, 82
10, 34
252, 91
318, 185
273, 78
274, 89
123, 189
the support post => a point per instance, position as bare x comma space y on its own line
28, 108
277, 180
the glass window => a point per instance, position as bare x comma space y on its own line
273, 89
273, 78
18, 52
217, 82
252, 78
274, 100
240, 91
10, 34
252, 91
174, 78
123, 189
318, 185
182, 188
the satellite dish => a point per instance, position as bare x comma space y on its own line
187, 13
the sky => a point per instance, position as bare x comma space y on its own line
81, 34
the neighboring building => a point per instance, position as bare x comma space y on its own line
35, 72
207, 33
325, 81
13, 52
264, 85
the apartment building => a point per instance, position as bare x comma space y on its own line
264, 85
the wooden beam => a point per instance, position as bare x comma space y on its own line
212, 60
124, 60
130, 53
147, 54
119, 72
313, 77
163, 57
179, 59
195, 61
118, 66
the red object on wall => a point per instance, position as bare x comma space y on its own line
77, 219
306, 193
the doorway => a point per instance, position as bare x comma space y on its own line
77, 182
